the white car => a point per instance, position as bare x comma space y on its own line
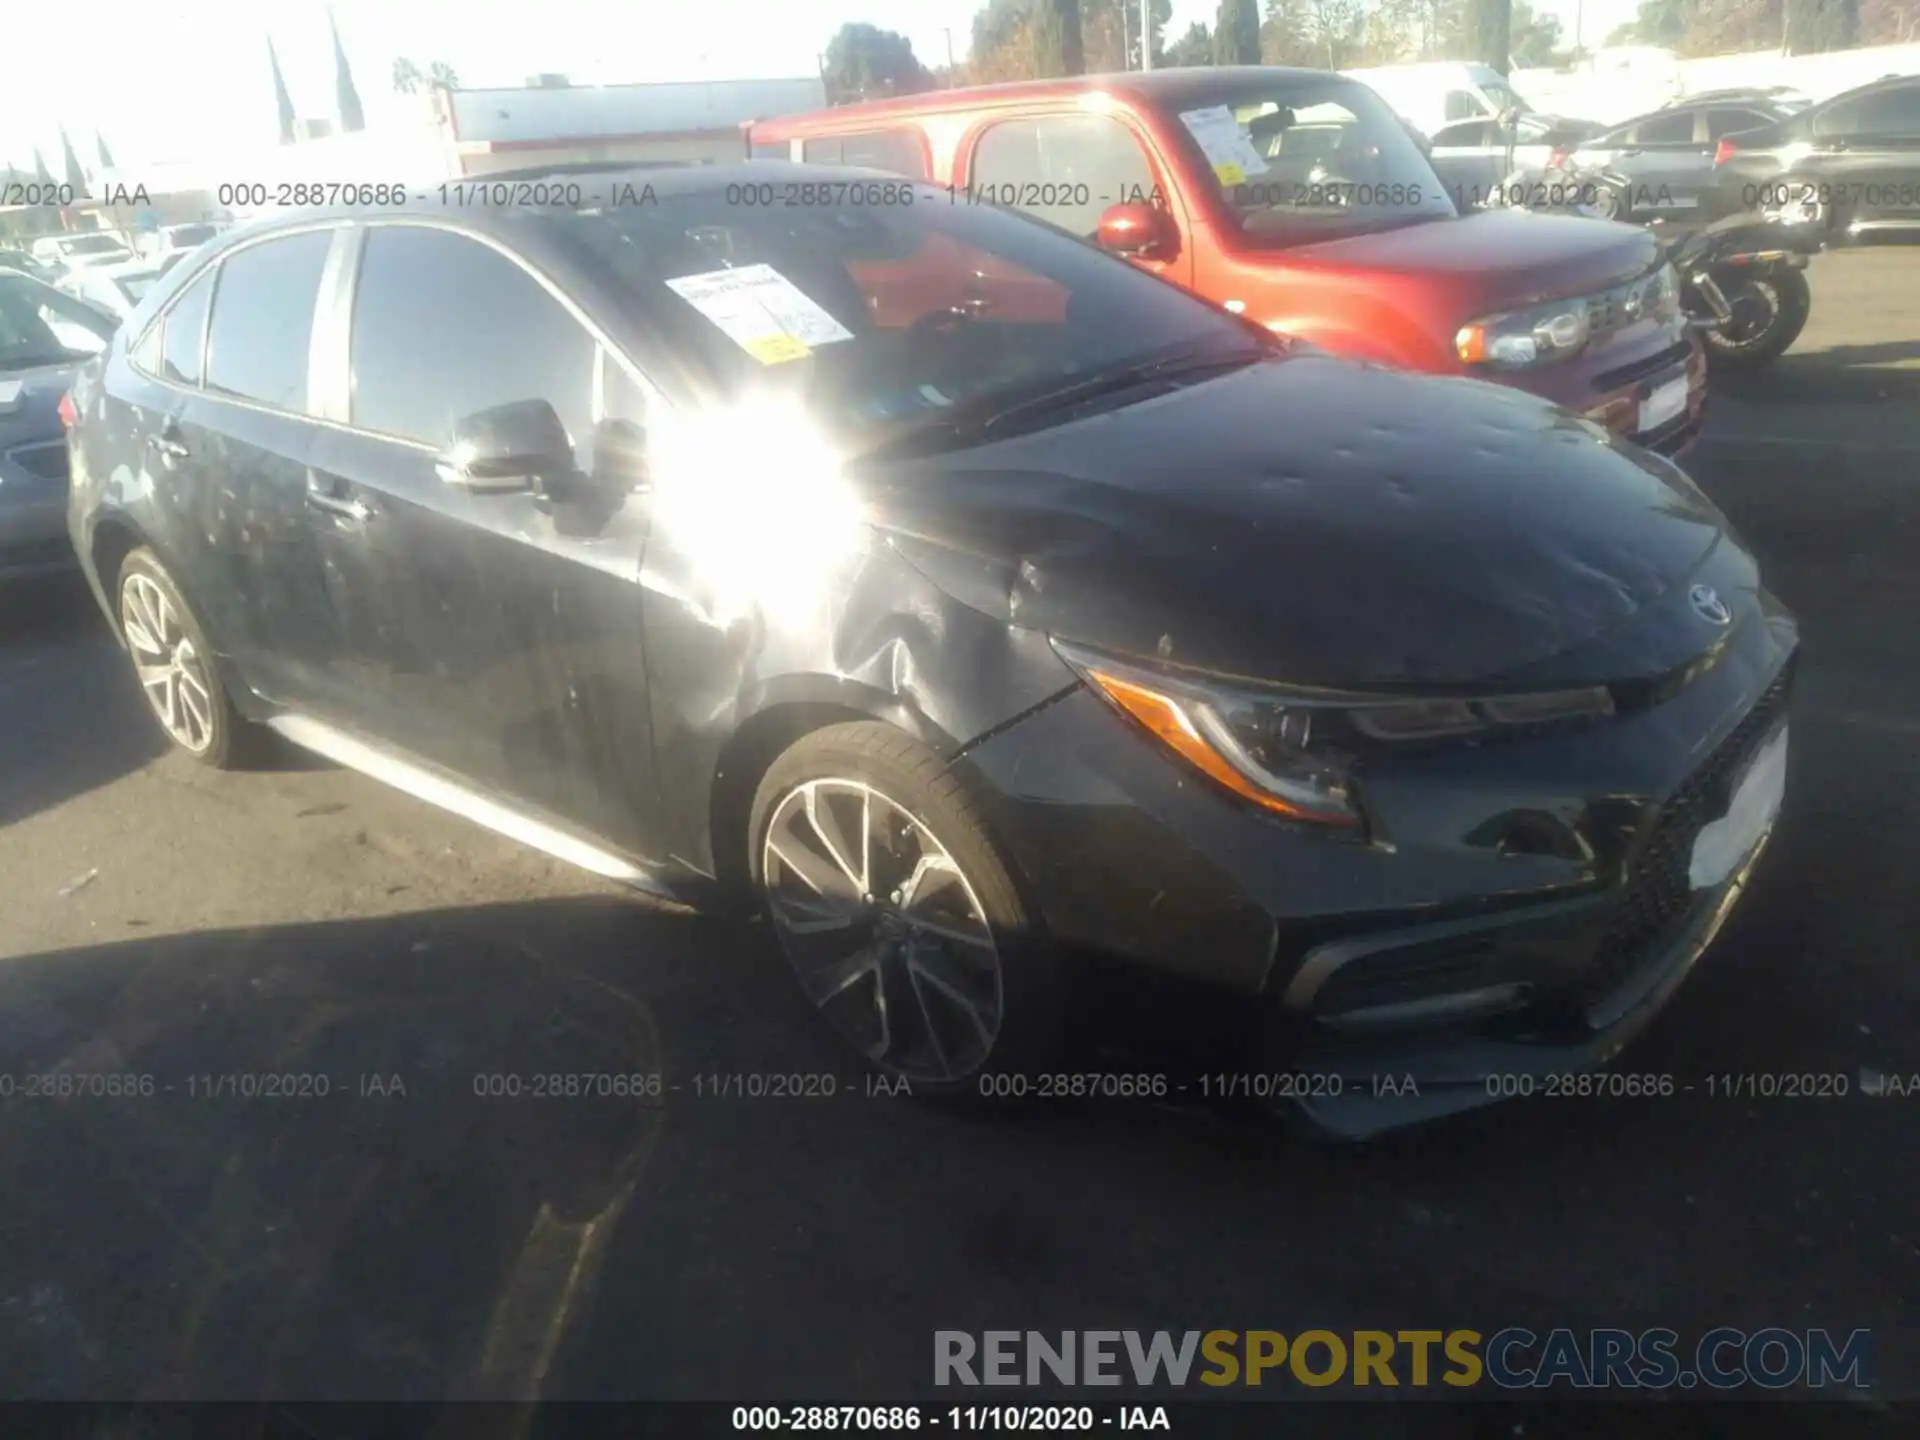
115, 289
179, 239
79, 251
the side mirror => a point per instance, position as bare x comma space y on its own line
1132, 228
516, 447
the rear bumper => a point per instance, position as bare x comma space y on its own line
33, 511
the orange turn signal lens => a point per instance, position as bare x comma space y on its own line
1167, 720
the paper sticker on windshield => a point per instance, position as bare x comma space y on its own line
1226, 146
761, 311
10, 392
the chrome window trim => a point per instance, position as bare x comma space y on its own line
355, 246
603, 342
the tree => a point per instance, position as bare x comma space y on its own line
1489, 33
1236, 33
346, 97
1816, 25
282, 101
106, 155
1333, 31
444, 75
407, 78
1057, 41
76, 177
1536, 37
40, 172
1193, 48
863, 61
1889, 22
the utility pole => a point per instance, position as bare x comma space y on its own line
1146, 34
1126, 29
952, 74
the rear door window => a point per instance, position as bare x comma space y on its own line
425, 353
1665, 130
1732, 122
1464, 105
1893, 113
1065, 169
897, 150
263, 320
186, 332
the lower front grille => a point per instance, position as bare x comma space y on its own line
1670, 438
1658, 892
1644, 368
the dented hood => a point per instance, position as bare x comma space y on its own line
1316, 521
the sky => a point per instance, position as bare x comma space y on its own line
188, 79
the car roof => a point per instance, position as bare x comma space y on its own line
1158, 88
598, 185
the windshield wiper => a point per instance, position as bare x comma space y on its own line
1114, 382
981, 419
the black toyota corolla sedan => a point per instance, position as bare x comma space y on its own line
969, 599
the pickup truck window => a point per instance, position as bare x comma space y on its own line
1064, 169
1338, 162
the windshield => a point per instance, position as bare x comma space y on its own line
92, 245
1313, 160
1504, 96
893, 319
41, 326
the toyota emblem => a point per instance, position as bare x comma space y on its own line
1708, 605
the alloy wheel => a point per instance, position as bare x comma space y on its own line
172, 671
884, 931
1755, 306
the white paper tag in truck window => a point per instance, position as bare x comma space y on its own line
10, 392
761, 311
1226, 146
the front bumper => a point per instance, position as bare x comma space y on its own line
1611, 385
1442, 950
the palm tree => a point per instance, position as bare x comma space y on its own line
444, 74
406, 76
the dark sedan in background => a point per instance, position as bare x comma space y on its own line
972, 600
1849, 165
1664, 160
44, 336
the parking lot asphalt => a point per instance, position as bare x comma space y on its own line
404, 1237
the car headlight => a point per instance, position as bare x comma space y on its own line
1526, 337
1293, 751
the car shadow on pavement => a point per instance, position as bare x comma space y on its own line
75, 718
1884, 374
541, 1149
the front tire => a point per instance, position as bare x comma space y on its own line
1769, 314
175, 666
897, 912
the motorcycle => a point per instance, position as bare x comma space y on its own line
1743, 281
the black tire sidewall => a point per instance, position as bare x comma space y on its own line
1795, 300
947, 801
221, 752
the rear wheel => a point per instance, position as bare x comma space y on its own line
897, 913
1769, 312
175, 666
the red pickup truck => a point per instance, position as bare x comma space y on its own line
1298, 198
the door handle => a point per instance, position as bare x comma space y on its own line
167, 442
